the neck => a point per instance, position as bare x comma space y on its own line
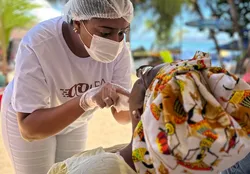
126, 153
73, 41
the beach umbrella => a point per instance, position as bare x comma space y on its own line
211, 24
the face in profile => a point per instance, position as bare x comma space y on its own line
113, 29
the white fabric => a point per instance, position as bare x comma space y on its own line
108, 9
132, 62
48, 74
122, 104
38, 156
195, 120
102, 49
94, 162
87, 101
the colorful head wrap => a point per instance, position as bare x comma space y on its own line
196, 119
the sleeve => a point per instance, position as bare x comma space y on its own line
30, 91
122, 69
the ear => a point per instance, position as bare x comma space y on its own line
76, 26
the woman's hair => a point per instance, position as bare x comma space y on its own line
107, 9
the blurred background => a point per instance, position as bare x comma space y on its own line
162, 31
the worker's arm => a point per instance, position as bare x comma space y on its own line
43, 123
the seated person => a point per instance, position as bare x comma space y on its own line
187, 117
119, 161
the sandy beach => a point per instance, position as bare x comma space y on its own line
103, 131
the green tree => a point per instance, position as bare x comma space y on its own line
237, 11
195, 6
13, 14
164, 13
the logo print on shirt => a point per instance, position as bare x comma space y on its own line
80, 88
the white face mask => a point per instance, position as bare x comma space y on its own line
103, 50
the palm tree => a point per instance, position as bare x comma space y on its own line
13, 14
164, 13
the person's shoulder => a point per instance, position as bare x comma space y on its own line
43, 31
124, 53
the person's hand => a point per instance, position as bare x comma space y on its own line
103, 96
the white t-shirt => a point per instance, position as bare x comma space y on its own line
48, 74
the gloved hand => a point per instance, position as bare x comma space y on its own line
103, 96
122, 104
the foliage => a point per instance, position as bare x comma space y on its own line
238, 12
13, 14
164, 13
221, 10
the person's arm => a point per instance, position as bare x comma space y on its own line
32, 96
43, 123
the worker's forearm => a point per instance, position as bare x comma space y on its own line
47, 122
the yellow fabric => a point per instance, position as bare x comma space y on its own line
166, 56
62, 168
94, 161
59, 168
195, 120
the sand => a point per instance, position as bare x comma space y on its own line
103, 131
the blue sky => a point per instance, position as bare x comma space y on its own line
193, 38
